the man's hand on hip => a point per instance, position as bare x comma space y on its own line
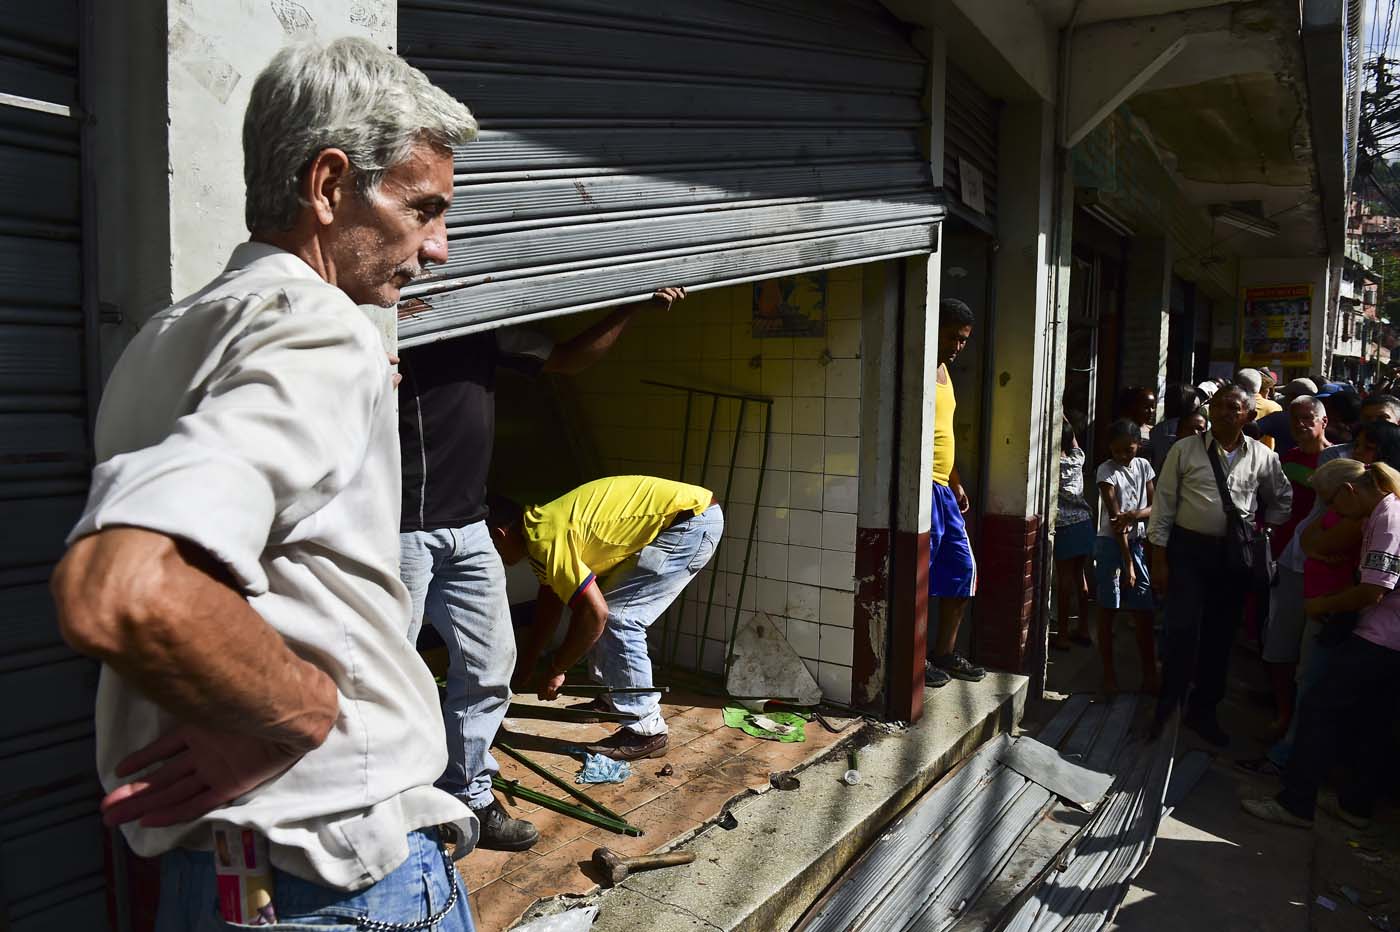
199, 771
961, 496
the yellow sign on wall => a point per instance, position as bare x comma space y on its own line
1277, 326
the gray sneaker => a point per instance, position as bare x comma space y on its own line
959, 667
935, 677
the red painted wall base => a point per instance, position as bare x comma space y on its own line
1006, 591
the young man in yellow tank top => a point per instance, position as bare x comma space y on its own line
952, 571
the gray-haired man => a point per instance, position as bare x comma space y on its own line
236, 568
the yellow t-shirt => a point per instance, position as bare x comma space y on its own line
944, 404
601, 523
1263, 407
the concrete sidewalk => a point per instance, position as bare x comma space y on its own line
787, 847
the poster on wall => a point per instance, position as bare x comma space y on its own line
794, 306
1277, 326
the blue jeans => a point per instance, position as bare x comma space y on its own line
637, 592
456, 581
417, 889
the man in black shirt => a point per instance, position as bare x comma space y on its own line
447, 421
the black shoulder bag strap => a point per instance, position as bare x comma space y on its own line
1227, 504
1246, 550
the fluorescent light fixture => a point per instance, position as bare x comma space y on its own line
1244, 220
1092, 205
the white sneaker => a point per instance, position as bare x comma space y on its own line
1328, 803
1270, 810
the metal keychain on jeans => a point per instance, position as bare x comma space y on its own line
374, 925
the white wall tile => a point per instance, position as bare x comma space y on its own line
811, 663
772, 596
843, 417
838, 608
805, 565
843, 338
835, 681
808, 378
841, 493
842, 457
809, 416
838, 532
808, 491
806, 528
777, 377
782, 415
805, 638
745, 485
836, 644
839, 569
779, 451
804, 602
773, 525
808, 452
737, 516
843, 378
774, 347
772, 560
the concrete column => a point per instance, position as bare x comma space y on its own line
1026, 348
1146, 313
875, 530
173, 83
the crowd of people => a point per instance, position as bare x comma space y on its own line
1248, 504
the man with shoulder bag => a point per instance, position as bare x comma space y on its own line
1207, 554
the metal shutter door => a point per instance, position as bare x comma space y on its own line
628, 144
970, 133
51, 839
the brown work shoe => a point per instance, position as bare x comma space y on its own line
628, 745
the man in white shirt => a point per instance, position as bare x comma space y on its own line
1204, 599
236, 567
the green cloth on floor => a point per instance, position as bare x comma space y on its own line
741, 718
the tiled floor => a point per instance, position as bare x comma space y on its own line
712, 764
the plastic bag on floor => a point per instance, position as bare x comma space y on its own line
599, 769
575, 920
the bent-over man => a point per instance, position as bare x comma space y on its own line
236, 569
617, 552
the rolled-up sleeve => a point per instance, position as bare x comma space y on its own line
282, 425
1164, 499
1275, 491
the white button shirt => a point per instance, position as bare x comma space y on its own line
1187, 494
257, 419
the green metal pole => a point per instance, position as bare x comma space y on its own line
514, 790
704, 468
676, 614
539, 771
714, 558
748, 547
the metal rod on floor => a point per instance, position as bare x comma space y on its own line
514, 790
748, 546
612, 690
564, 785
719, 545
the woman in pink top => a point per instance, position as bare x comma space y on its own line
1355, 699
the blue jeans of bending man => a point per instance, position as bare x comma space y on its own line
458, 584
637, 592
417, 889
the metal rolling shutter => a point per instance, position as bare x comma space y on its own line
51, 839
970, 133
628, 144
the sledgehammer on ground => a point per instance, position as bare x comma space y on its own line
616, 868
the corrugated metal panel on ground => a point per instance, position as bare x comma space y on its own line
51, 837
970, 132
626, 145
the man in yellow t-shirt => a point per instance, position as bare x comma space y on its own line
617, 552
952, 571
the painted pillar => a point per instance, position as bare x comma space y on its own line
1146, 314
1025, 354
880, 350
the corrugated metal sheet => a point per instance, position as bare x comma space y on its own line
51, 838
970, 132
627, 145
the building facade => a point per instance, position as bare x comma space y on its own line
1127, 192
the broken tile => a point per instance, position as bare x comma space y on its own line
560, 871
483, 867
498, 905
